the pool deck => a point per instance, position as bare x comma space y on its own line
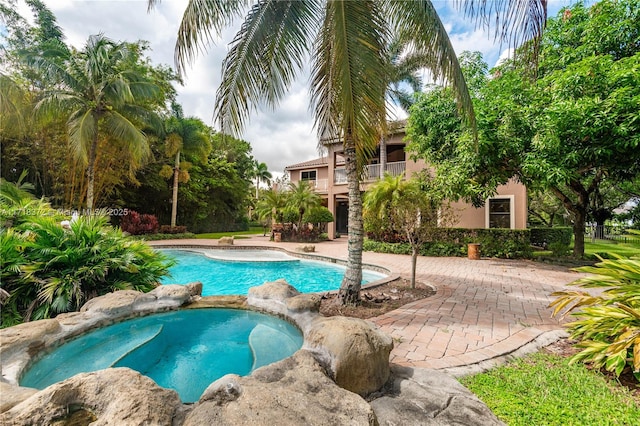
484, 311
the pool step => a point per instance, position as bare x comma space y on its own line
269, 345
148, 337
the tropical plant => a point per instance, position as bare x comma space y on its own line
102, 93
301, 199
63, 268
408, 207
347, 41
188, 135
272, 204
608, 324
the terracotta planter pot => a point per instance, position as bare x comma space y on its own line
473, 251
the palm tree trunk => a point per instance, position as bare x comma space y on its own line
383, 156
174, 202
414, 261
91, 172
350, 288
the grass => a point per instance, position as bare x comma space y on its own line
601, 246
544, 389
236, 234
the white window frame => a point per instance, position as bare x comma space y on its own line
512, 215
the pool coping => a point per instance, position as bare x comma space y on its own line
391, 277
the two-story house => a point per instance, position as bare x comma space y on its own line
507, 209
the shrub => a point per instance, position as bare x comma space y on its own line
168, 229
318, 215
502, 243
609, 324
543, 237
63, 268
159, 236
559, 249
135, 223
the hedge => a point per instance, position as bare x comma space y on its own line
502, 243
542, 237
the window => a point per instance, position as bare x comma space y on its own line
500, 212
308, 175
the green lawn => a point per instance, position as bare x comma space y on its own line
236, 234
545, 390
602, 246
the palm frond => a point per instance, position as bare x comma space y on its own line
349, 74
265, 56
513, 22
418, 20
125, 131
82, 128
201, 20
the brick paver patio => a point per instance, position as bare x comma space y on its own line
482, 309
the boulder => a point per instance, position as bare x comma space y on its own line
294, 391
12, 395
115, 396
195, 288
173, 295
30, 336
308, 302
355, 352
276, 290
225, 241
117, 303
307, 248
420, 397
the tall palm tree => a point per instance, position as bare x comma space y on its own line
188, 135
102, 93
272, 204
347, 42
262, 174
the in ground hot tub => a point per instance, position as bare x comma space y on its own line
183, 350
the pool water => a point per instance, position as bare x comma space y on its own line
225, 276
184, 350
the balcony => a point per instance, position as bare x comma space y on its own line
371, 172
319, 185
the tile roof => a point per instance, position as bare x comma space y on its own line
322, 161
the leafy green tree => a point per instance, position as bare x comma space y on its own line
189, 135
567, 131
409, 207
347, 41
101, 95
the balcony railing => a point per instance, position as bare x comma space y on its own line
371, 172
320, 185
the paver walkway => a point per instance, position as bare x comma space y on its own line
482, 309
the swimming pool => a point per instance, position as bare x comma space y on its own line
224, 272
183, 350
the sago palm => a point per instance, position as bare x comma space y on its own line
184, 135
102, 93
346, 41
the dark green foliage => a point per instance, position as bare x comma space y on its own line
502, 243
543, 237
318, 215
47, 269
162, 236
559, 249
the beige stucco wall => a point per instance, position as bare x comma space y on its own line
471, 217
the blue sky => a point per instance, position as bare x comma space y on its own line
280, 137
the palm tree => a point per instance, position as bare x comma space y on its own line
262, 174
102, 93
347, 41
302, 198
404, 65
272, 204
188, 135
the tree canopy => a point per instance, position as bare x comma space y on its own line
570, 129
